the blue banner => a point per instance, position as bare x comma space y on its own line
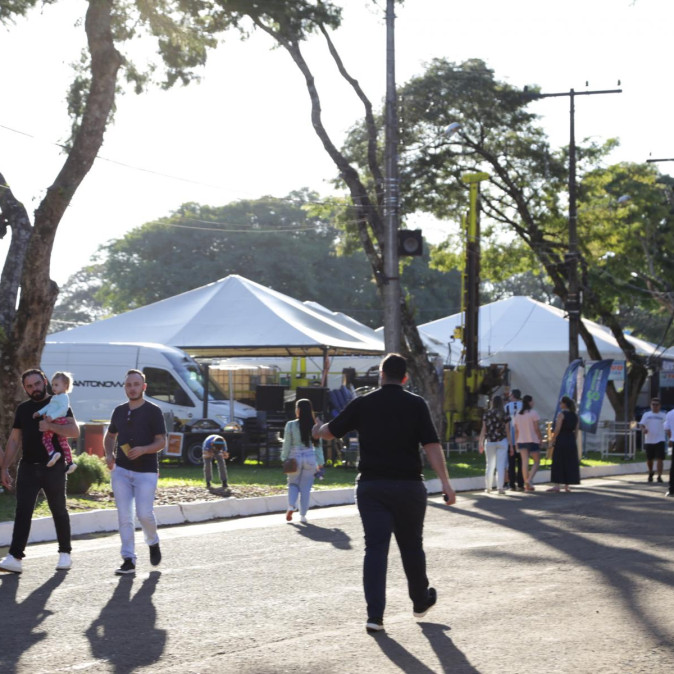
568, 387
593, 395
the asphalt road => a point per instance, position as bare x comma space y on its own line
538, 582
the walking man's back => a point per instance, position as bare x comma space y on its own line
390, 494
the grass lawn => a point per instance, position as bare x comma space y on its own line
467, 464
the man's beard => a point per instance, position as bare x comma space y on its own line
38, 396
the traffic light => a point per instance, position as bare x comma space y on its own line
410, 242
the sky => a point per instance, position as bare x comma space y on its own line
244, 131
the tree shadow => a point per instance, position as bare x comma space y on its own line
620, 567
339, 538
21, 620
450, 657
125, 632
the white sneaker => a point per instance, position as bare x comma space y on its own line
10, 563
65, 562
54, 458
71, 468
303, 519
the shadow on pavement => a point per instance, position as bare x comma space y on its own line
450, 657
340, 539
19, 632
570, 523
125, 633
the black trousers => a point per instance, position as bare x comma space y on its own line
515, 470
392, 507
30, 478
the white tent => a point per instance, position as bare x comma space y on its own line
532, 338
234, 317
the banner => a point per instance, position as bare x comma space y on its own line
568, 387
593, 395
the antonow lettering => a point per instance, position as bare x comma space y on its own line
94, 383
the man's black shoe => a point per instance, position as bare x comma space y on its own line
155, 554
650, 477
127, 567
421, 611
374, 625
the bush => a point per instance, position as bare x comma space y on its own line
90, 470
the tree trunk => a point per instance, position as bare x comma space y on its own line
368, 213
24, 328
549, 255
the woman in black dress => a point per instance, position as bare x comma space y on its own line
565, 464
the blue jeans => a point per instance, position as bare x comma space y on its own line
30, 478
395, 507
300, 483
130, 485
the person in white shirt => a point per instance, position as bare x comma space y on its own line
652, 425
515, 477
669, 432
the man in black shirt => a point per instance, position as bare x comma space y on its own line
138, 432
33, 473
390, 493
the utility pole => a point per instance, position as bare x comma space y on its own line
573, 304
391, 292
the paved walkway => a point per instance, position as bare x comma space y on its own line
99, 521
529, 583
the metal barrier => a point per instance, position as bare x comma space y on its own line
615, 438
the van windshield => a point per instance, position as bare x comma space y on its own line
192, 375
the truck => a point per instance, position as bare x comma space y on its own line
193, 403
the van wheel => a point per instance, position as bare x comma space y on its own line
192, 455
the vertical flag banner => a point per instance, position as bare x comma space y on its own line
593, 395
568, 387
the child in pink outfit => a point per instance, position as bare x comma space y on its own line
55, 411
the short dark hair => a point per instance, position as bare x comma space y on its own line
516, 393
32, 371
655, 400
394, 366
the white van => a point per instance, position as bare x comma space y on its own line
175, 383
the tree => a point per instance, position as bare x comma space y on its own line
181, 30
365, 186
526, 192
23, 329
627, 213
289, 244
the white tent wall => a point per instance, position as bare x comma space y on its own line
532, 338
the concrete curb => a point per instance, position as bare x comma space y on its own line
101, 521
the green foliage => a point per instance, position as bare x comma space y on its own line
90, 470
77, 302
626, 227
292, 245
16, 8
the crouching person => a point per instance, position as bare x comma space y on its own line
215, 447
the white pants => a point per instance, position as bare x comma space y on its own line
129, 486
497, 460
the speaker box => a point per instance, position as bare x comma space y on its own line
269, 398
316, 394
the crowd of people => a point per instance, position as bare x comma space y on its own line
511, 438
391, 423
